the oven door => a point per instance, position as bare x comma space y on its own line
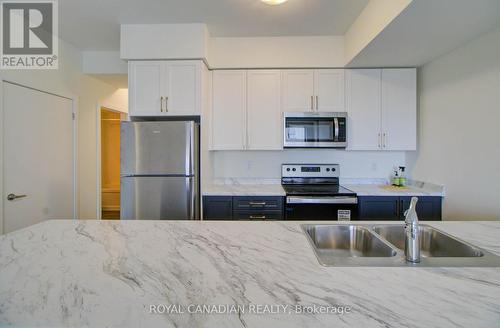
315, 130
308, 208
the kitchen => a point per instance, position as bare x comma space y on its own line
269, 172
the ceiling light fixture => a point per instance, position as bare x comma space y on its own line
274, 2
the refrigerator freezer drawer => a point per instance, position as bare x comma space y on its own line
159, 148
159, 198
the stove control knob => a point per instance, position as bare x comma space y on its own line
327, 170
294, 169
288, 169
333, 169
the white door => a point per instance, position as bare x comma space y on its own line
363, 107
298, 90
183, 88
399, 109
264, 110
329, 90
146, 88
229, 110
38, 143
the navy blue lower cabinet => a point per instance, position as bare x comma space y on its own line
428, 207
243, 208
393, 207
217, 207
378, 208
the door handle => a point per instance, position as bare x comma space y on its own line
161, 104
317, 101
383, 139
166, 104
379, 141
12, 197
257, 203
312, 103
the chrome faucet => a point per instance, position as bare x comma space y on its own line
412, 233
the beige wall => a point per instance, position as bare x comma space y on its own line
69, 81
459, 129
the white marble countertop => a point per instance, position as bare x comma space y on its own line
383, 190
70, 273
264, 189
275, 189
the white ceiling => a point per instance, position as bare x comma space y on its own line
95, 24
428, 29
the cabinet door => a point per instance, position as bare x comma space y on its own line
229, 108
145, 87
217, 208
376, 208
298, 90
264, 110
329, 90
399, 109
428, 207
183, 87
363, 107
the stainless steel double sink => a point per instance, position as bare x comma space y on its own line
382, 245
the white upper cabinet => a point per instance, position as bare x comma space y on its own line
298, 90
159, 88
183, 85
329, 90
229, 110
264, 122
313, 90
399, 109
363, 107
382, 109
145, 87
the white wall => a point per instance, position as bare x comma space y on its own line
276, 52
69, 81
267, 164
103, 62
459, 129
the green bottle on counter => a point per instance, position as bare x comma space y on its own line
402, 179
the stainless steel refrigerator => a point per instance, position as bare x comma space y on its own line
160, 170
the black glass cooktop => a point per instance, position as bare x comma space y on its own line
317, 190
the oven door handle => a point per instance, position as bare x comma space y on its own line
321, 200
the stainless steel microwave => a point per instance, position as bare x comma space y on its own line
315, 130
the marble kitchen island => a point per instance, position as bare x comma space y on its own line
65, 273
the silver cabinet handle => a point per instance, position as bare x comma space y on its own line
12, 197
257, 216
317, 102
161, 104
379, 141
166, 104
312, 103
383, 139
258, 203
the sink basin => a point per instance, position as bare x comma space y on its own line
347, 241
382, 245
433, 243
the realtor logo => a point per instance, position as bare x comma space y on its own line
29, 34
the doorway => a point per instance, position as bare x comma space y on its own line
110, 163
38, 156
